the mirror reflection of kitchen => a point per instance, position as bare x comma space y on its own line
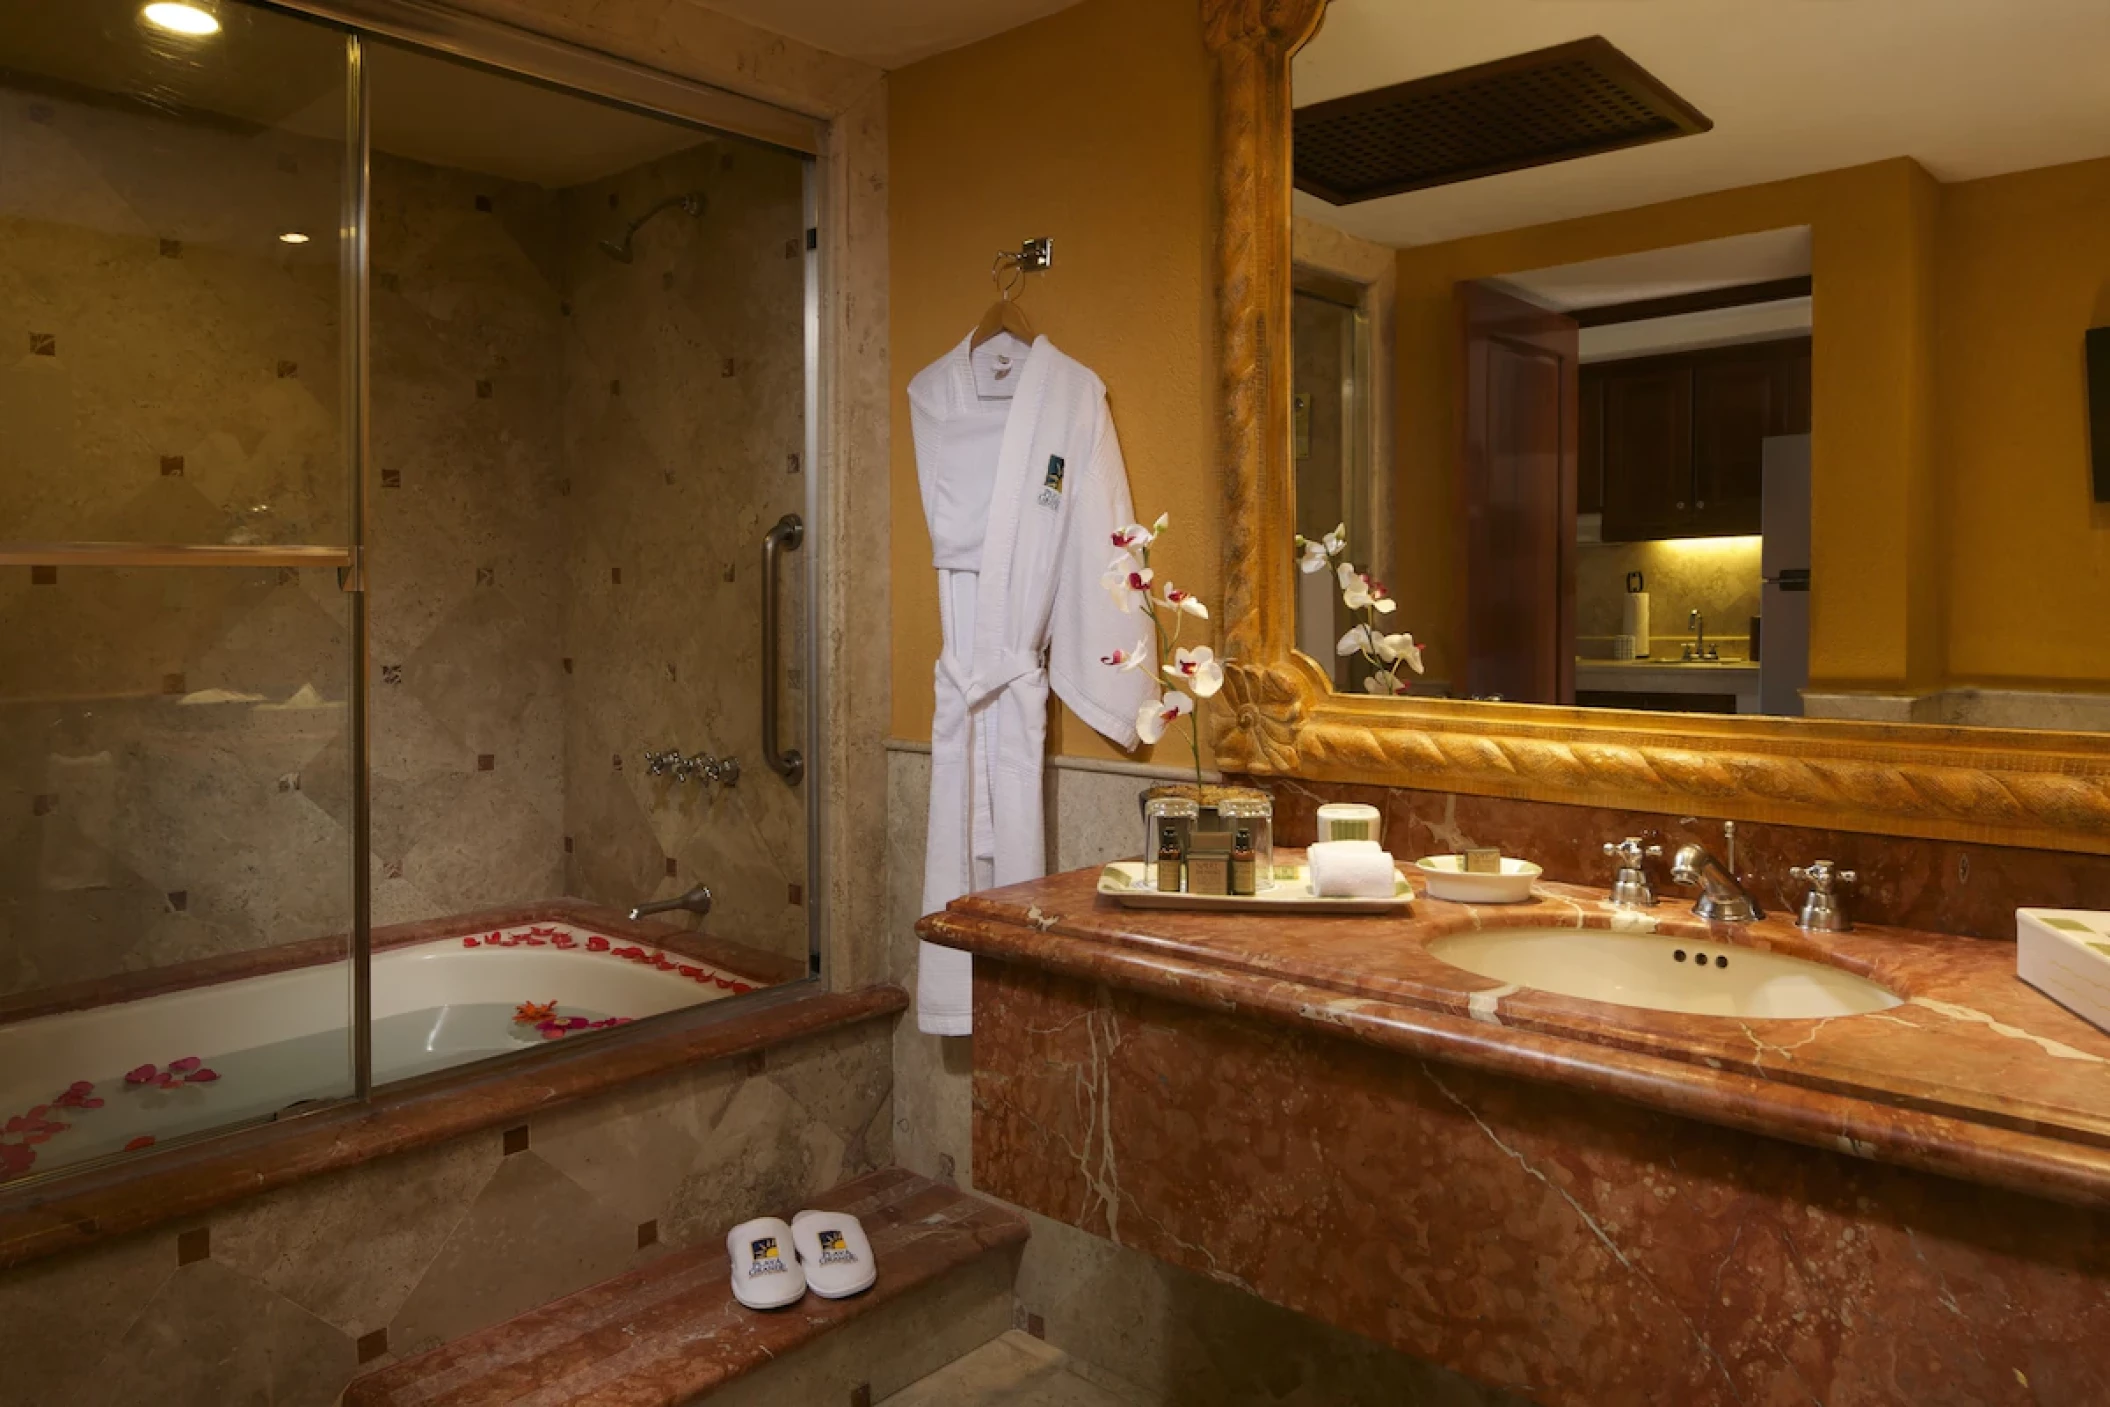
1558, 370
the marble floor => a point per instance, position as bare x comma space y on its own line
1019, 1370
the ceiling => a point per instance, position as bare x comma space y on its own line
1664, 273
1968, 87
887, 33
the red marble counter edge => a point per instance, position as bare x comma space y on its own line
2006, 1158
70, 1212
764, 969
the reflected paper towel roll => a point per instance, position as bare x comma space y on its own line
1636, 622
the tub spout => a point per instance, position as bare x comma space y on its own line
696, 901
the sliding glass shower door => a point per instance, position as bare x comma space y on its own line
388, 446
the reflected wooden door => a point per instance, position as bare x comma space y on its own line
1516, 469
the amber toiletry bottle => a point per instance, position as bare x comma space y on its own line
1242, 862
1168, 867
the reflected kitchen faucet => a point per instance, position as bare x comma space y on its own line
1700, 649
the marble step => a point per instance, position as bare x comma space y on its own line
1019, 1370
670, 1333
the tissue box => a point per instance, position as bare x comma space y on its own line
2065, 954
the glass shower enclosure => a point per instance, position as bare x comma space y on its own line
389, 440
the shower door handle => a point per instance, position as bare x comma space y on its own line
786, 536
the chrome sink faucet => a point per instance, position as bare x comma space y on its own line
1822, 911
1699, 649
1722, 897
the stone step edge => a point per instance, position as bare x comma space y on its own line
671, 1331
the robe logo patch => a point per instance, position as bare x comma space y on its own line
1051, 486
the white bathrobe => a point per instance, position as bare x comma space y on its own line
1023, 487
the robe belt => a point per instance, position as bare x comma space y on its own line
1011, 666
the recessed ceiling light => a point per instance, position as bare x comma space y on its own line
292, 237
180, 19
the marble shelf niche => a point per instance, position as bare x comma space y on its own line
1581, 1205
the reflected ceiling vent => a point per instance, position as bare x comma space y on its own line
1530, 109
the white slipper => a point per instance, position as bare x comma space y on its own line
836, 1252
766, 1274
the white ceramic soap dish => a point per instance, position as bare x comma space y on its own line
1448, 879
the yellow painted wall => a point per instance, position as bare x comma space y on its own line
2025, 270
1873, 237
1091, 127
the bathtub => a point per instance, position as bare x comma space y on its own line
212, 1056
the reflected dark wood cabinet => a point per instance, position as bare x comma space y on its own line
1672, 445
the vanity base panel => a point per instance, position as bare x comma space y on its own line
1575, 1248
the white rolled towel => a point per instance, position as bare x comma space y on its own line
1351, 869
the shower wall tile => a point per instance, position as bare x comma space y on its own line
441, 1241
676, 473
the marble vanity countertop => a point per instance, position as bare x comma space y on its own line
1671, 662
1976, 1075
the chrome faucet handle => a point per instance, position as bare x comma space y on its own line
1822, 911
658, 763
1630, 887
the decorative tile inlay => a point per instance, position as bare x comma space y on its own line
172, 249
171, 466
43, 344
193, 1245
798, 894
566, 665
615, 576
615, 760
486, 762
393, 869
391, 478
516, 1140
483, 390
372, 1346
486, 576
172, 684
567, 845
791, 463
647, 1234
483, 203
43, 805
42, 114
670, 867
615, 388
391, 674
289, 576
729, 368
287, 370
44, 576
179, 900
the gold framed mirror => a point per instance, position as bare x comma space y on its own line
2008, 785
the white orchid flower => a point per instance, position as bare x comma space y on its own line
1185, 601
1355, 642
1157, 529
1355, 587
1154, 718
1134, 537
1337, 540
1314, 559
1384, 681
1399, 649
1126, 660
1198, 669
1128, 581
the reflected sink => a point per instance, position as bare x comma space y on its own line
1662, 973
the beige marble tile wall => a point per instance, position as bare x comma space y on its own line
1187, 1339
171, 741
684, 441
277, 1301
466, 537
1718, 576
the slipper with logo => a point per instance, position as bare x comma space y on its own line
766, 1272
836, 1252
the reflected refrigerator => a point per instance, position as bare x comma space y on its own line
1784, 568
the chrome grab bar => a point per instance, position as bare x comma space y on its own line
786, 536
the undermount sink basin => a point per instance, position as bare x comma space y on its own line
1662, 973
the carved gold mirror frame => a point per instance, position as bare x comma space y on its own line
2008, 787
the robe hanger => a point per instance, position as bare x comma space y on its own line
1009, 271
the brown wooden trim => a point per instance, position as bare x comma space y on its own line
764, 969
1777, 290
1685, 120
71, 1211
140, 554
1281, 717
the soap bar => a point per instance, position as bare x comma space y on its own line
1483, 859
2065, 954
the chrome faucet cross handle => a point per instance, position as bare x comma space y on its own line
1822, 911
1630, 888
723, 771
659, 763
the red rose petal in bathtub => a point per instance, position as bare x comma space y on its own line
596, 944
470, 943
145, 1140
202, 1077
91, 1104
140, 1075
187, 1064
14, 1158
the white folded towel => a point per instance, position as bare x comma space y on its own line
1351, 869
